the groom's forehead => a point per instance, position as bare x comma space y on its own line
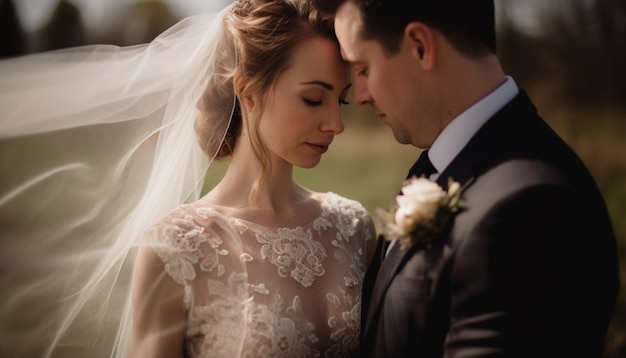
348, 28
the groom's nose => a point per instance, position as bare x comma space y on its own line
361, 93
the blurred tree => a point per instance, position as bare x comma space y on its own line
523, 54
64, 29
611, 18
12, 39
587, 42
140, 22
575, 55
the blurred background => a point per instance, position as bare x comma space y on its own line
569, 55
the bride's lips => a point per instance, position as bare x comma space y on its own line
319, 147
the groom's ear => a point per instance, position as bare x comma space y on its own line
421, 42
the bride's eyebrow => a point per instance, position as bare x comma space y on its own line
328, 86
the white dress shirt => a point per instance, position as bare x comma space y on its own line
458, 133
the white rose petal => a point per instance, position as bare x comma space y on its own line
404, 219
419, 203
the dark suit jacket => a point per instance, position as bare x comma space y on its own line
528, 269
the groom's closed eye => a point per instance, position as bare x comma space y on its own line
362, 72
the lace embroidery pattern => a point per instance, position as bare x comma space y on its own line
218, 326
281, 331
295, 252
178, 245
345, 326
245, 319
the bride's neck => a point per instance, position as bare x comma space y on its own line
277, 192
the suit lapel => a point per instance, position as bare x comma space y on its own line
392, 263
369, 280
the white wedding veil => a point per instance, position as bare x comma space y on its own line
96, 144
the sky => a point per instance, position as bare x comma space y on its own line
34, 13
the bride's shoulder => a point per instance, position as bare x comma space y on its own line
184, 220
349, 214
331, 201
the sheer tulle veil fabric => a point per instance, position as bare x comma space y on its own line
96, 144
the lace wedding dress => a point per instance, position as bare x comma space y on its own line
257, 291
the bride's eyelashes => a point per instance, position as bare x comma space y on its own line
314, 103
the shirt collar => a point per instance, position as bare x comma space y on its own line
459, 132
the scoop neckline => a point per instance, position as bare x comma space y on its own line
224, 211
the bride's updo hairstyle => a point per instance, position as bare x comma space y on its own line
260, 35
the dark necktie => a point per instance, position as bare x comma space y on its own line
423, 166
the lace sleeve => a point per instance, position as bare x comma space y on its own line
356, 224
201, 250
186, 243
367, 233
175, 240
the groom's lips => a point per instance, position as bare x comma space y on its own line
378, 112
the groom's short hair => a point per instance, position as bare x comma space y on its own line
469, 25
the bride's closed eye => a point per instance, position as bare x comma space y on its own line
312, 103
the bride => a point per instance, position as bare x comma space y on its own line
259, 266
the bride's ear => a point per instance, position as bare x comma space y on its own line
240, 82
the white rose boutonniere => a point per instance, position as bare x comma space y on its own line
423, 211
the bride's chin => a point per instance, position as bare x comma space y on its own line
308, 164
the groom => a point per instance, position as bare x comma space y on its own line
529, 266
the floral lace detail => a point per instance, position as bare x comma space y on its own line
178, 245
218, 327
280, 331
295, 253
229, 316
346, 326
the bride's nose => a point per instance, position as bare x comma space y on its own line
333, 122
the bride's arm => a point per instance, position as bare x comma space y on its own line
370, 243
158, 328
